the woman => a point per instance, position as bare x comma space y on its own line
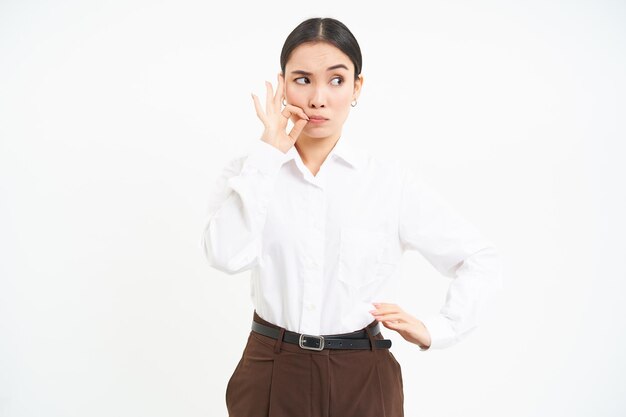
322, 227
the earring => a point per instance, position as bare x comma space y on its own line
284, 103
353, 104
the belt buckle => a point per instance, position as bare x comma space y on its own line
305, 337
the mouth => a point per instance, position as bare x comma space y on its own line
317, 119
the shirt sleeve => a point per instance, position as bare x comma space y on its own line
455, 248
237, 209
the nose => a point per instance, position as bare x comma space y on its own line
317, 98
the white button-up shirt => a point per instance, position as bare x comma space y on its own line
322, 248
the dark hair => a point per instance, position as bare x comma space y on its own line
325, 29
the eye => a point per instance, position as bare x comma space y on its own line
336, 81
302, 80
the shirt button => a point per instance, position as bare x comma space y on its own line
310, 307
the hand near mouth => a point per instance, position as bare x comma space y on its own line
275, 120
317, 119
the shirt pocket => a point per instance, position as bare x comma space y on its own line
362, 259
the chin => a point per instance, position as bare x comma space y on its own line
318, 133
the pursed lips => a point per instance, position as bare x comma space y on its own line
317, 119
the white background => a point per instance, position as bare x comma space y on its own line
116, 117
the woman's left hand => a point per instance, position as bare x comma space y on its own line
410, 328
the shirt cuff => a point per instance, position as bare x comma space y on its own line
265, 158
441, 332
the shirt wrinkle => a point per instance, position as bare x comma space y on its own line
321, 248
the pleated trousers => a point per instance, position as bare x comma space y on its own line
279, 379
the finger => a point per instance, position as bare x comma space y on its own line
387, 307
269, 94
258, 108
388, 324
391, 317
385, 310
384, 305
278, 97
396, 326
290, 110
297, 129
391, 326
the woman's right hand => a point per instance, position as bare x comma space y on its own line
275, 121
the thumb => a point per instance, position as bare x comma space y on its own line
297, 128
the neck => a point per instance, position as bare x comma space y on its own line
314, 151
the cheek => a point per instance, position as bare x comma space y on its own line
344, 97
294, 97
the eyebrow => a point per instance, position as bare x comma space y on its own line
334, 67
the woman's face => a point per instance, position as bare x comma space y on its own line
319, 79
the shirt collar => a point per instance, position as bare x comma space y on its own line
342, 150
348, 153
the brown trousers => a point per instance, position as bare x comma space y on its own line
279, 379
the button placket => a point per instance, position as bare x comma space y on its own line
313, 259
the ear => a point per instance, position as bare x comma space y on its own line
358, 84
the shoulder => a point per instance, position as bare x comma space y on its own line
255, 154
388, 166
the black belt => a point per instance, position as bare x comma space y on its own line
354, 340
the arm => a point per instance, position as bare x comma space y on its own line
231, 239
457, 250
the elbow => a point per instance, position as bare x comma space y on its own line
486, 262
491, 266
225, 260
